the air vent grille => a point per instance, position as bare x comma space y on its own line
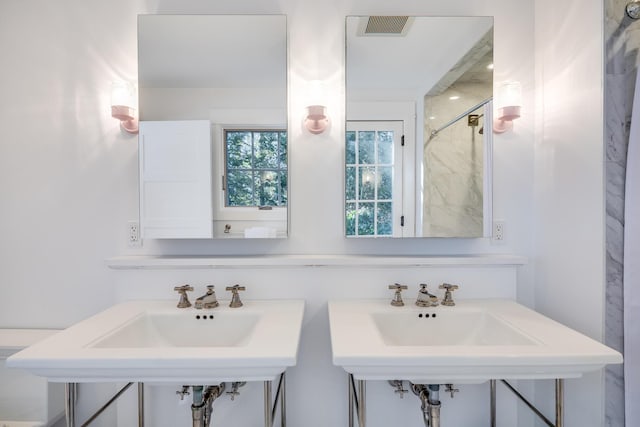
386, 24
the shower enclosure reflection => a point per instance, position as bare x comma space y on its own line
418, 155
455, 157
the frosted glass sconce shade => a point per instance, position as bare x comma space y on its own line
510, 102
123, 101
316, 120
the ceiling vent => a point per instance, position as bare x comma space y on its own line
386, 25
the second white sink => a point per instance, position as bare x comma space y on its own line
464, 326
475, 341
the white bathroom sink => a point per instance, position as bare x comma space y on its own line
153, 341
175, 328
446, 327
472, 342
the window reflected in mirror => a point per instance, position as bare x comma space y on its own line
231, 71
432, 77
256, 168
370, 177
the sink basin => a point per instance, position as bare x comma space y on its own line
472, 342
448, 327
153, 341
176, 329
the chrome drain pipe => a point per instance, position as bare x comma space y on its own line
430, 397
201, 409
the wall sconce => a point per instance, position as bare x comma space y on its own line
123, 101
316, 120
510, 101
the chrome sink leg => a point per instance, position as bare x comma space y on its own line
492, 407
283, 402
71, 394
362, 406
559, 403
140, 404
357, 400
268, 422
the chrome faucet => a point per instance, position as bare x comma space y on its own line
426, 299
448, 299
397, 297
207, 300
235, 296
184, 300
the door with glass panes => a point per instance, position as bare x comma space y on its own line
373, 187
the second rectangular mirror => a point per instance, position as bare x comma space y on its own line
418, 141
213, 138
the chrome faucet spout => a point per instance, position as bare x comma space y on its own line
425, 298
207, 300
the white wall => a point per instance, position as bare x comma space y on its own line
68, 175
569, 177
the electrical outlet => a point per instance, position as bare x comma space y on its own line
133, 234
498, 231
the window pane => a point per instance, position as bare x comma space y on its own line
283, 151
240, 188
367, 180
385, 147
385, 183
256, 168
283, 188
239, 150
266, 185
350, 219
366, 219
385, 219
351, 148
366, 147
266, 150
350, 185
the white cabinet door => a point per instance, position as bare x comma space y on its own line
175, 179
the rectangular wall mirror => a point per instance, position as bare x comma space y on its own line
213, 133
418, 144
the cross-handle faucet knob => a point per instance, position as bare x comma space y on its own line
235, 296
425, 298
184, 300
448, 289
184, 392
397, 297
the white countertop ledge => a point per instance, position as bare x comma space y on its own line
276, 261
